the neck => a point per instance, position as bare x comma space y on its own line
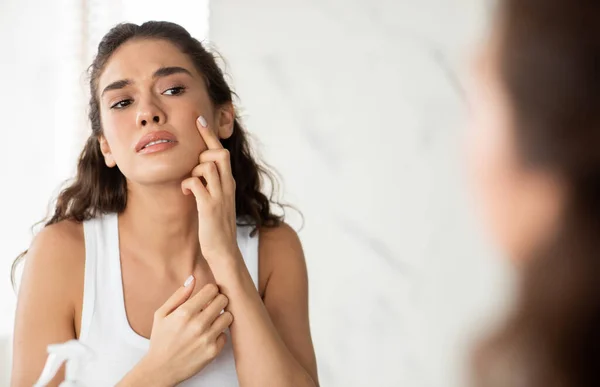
161, 223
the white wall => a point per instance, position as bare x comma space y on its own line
356, 104
27, 111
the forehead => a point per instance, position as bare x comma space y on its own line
139, 58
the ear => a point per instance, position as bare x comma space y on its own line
105, 149
225, 121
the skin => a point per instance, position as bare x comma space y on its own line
173, 226
520, 205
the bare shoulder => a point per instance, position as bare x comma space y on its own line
279, 245
60, 244
279, 236
64, 232
280, 249
55, 259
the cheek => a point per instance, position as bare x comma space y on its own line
492, 166
182, 113
119, 133
486, 167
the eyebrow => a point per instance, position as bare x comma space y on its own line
161, 72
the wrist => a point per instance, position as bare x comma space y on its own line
228, 261
231, 273
148, 373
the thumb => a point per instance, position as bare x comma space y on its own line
180, 296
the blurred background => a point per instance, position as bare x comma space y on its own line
358, 104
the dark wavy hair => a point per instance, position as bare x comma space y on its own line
98, 189
549, 61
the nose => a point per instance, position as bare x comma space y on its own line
150, 113
155, 119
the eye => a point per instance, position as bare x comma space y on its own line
121, 104
175, 90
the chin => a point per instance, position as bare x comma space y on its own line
162, 173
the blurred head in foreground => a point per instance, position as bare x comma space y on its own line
534, 152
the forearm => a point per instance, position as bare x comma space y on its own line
261, 356
144, 374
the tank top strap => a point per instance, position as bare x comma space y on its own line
102, 271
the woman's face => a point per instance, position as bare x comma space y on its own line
520, 206
150, 86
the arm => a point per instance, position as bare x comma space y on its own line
286, 293
270, 350
271, 340
53, 273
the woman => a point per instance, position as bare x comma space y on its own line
535, 153
143, 252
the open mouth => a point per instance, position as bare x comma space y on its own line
155, 143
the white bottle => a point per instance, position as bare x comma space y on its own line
74, 353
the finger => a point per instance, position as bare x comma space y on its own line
209, 171
180, 296
213, 310
199, 301
207, 134
195, 186
221, 323
221, 158
220, 342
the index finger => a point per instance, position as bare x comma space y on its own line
178, 298
199, 301
209, 137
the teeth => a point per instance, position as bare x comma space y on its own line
155, 142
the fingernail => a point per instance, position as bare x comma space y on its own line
188, 281
202, 121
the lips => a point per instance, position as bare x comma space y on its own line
148, 138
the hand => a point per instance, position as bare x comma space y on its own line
215, 198
187, 333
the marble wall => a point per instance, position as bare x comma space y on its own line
359, 106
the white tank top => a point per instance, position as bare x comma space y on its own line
104, 325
